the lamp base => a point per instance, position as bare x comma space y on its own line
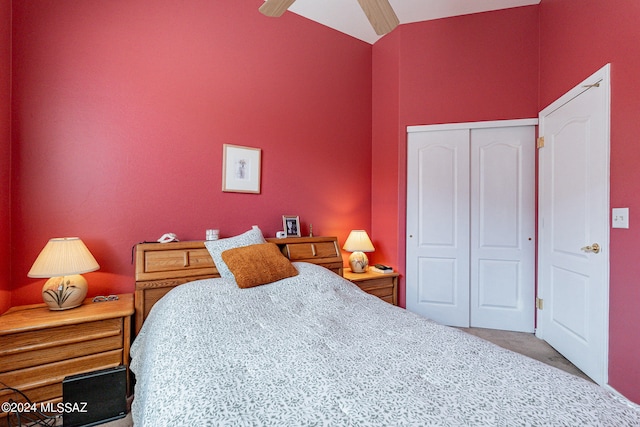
358, 262
64, 292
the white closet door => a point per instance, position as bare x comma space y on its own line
438, 226
502, 228
470, 224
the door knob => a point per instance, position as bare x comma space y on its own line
595, 248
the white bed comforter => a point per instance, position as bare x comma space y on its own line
315, 350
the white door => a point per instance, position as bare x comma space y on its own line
470, 226
438, 226
503, 228
573, 218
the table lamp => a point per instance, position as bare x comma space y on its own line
63, 260
357, 243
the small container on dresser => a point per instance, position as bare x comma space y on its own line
39, 347
382, 285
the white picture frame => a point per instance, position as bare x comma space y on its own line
241, 169
291, 225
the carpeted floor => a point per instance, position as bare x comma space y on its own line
529, 345
519, 342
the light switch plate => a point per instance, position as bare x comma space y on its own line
620, 218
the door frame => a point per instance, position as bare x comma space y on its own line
603, 76
473, 125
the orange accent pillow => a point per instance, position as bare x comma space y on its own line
258, 264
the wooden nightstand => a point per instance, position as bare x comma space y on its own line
39, 347
384, 286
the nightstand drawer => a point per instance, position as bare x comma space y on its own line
47, 393
380, 282
26, 349
385, 290
383, 286
44, 382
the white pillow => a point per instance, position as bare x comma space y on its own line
216, 247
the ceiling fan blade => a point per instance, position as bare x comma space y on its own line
381, 15
275, 8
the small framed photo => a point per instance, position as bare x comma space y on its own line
291, 225
241, 169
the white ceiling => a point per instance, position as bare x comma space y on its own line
347, 17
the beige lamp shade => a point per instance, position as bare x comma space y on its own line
358, 240
63, 260
357, 243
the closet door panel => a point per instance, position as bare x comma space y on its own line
438, 185
497, 171
438, 226
502, 228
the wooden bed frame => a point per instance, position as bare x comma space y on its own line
161, 267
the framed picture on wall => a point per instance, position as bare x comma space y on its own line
291, 225
241, 169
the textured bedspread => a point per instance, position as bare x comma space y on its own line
315, 350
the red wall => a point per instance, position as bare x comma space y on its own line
5, 155
468, 68
386, 207
121, 108
578, 37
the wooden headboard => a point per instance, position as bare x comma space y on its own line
161, 267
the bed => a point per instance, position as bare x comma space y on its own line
313, 349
